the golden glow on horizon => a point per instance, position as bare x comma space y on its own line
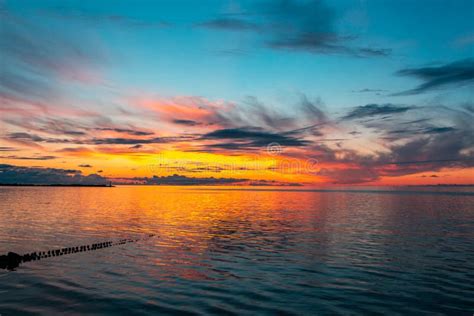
126, 164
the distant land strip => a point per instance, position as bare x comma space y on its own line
55, 185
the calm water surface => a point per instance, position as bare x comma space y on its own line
221, 251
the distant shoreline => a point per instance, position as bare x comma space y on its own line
55, 185
193, 184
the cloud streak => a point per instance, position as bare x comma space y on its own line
456, 74
301, 26
370, 110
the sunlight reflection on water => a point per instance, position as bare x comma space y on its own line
219, 250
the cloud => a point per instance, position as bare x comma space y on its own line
10, 174
29, 157
6, 148
184, 109
409, 132
98, 140
438, 130
314, 109
25, 136
304, 26
465, 40
425, 153
230, 24
133, 141
37, 59
204, 114
375, 109
134, 132
184, 180
85, 166
75, 150
177, 179
422, 139
186, 122
244, 138
366, 90
455, 74
94, 19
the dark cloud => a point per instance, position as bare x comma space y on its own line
305, 112
10, 174
242, 138
259, 114
25, 136
134, 141
368, 90
415, 146
428, 153
98, 140
177, 179
183, 180
375, 109
186, 122
133, 132
439, 130
423, 120
307, 26
313, 109
230, 24
85, 166
73, 133
5, 148
74, 150
48, 124
29, 158
420, 130
455, 74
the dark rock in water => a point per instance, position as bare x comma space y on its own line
10, 261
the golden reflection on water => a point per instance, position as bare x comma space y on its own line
246, 245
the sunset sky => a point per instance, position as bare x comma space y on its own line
307, 92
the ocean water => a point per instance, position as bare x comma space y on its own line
229, 250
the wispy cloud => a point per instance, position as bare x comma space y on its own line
245, 138
456, 74
95, 19
368, 90
230, 24
7, 148
133, 132
45, 157
36, 60
308, 26
374, 110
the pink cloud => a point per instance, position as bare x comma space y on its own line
193, 109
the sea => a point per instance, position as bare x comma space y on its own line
211, 250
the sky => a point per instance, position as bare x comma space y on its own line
237, 92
